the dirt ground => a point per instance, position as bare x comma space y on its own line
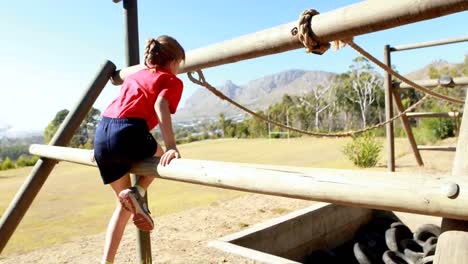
177, 238
183, 237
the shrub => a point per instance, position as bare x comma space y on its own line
7, 164
24, 161
364, 150
440, 128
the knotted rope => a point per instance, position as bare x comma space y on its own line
202, 82
306, 36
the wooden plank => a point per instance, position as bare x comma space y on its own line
434, 115
432, 83
395, 191
453, 247
429, 44
354, 20
407, 127
437, 148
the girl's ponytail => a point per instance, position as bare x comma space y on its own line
152, 50
160, 51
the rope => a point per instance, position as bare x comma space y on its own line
202, 82
306, 36
311, 43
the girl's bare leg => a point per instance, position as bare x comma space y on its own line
145, 181
118, 221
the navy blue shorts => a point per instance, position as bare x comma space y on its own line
120, 142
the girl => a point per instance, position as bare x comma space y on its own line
147, 98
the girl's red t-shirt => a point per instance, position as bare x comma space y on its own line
139, 93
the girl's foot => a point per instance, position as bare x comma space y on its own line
132, 201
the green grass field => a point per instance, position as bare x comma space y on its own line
74, 202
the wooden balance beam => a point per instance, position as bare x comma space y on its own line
406, 192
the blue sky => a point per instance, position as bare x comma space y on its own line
49, 50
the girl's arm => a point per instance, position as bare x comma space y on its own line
165, 123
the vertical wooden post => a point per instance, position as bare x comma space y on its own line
31, 187
389, 113
453, 242
407, 127
133, 58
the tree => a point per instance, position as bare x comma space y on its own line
222, 124
364, 83
83, 135
342, 91
50, 130
257, 127
317, 101
242, 130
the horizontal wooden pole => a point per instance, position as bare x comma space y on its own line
406, 192
354, 20
434, 114
437, 148
431, 83
429, 44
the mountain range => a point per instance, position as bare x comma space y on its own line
256, 95
260, 93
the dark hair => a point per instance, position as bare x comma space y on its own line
160, 51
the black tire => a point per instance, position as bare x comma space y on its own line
430, 251
395, 257
395, 224
424, 232
411, 245
412, 249
394, 236
360, 254
413, 256
429, 243
372, 241
426, 260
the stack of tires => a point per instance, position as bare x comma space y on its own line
395, 245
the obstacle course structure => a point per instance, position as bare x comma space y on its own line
445, 197
392, 94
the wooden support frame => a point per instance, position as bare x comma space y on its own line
350, 21
407, 127
430, 43
389, 112
25, 196
437, 148
432, 83
132, 55
396, 191
453, 243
